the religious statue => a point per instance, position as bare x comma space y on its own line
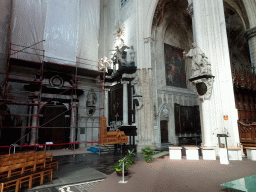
165, 112
121, 55
132, 54
105, 64
201, 77
200, 63
91, 98
205, 66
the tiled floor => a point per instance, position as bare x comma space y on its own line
79, 172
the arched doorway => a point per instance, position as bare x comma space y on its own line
55, 124
164, 131
173, 34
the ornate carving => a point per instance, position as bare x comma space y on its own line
250, 33
159, 11
200, 63
207, 84
138, 96
201, 77
190, 9
91, 98
165, 112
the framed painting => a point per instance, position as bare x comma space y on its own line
174, 66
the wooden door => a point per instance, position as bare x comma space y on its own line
164, 131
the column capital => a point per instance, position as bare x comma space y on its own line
124, 82
250, 33
148, 40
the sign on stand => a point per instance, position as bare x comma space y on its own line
224, 156
123, 181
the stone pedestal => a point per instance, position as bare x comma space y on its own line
223, 156
234, 153
175, 153
209, 153
192, 153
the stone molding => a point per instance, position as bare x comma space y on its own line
124, 82
250, 33
209, 84
175, 91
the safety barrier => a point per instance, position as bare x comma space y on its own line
37, 145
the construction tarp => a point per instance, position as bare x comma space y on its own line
88, 32
27, 34
70, 29
5, 14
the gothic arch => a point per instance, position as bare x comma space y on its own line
239, 7
162, 107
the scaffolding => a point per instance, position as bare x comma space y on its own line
54, 85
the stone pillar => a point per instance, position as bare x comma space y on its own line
34, 124
251, 37
125, 103
73, 122
106, 104
209, 30
144, 116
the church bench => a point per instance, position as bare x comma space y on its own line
50, 162
235, 153
251, 153
31, 163
209, 153
16, 179
175, 153
192, 153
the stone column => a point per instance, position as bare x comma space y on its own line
144, 116
209, 30
251, 37
34, 124
106, 104
125, 103
73, 122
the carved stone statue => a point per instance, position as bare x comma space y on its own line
91, 98
165, 112
200, 63
121, 54
132, 53
205, 66
201, 77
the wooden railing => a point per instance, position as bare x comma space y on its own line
247, 132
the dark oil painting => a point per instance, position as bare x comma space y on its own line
187, 119
174, 66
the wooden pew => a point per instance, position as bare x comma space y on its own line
50, 162
24, 170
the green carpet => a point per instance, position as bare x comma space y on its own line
160, 154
